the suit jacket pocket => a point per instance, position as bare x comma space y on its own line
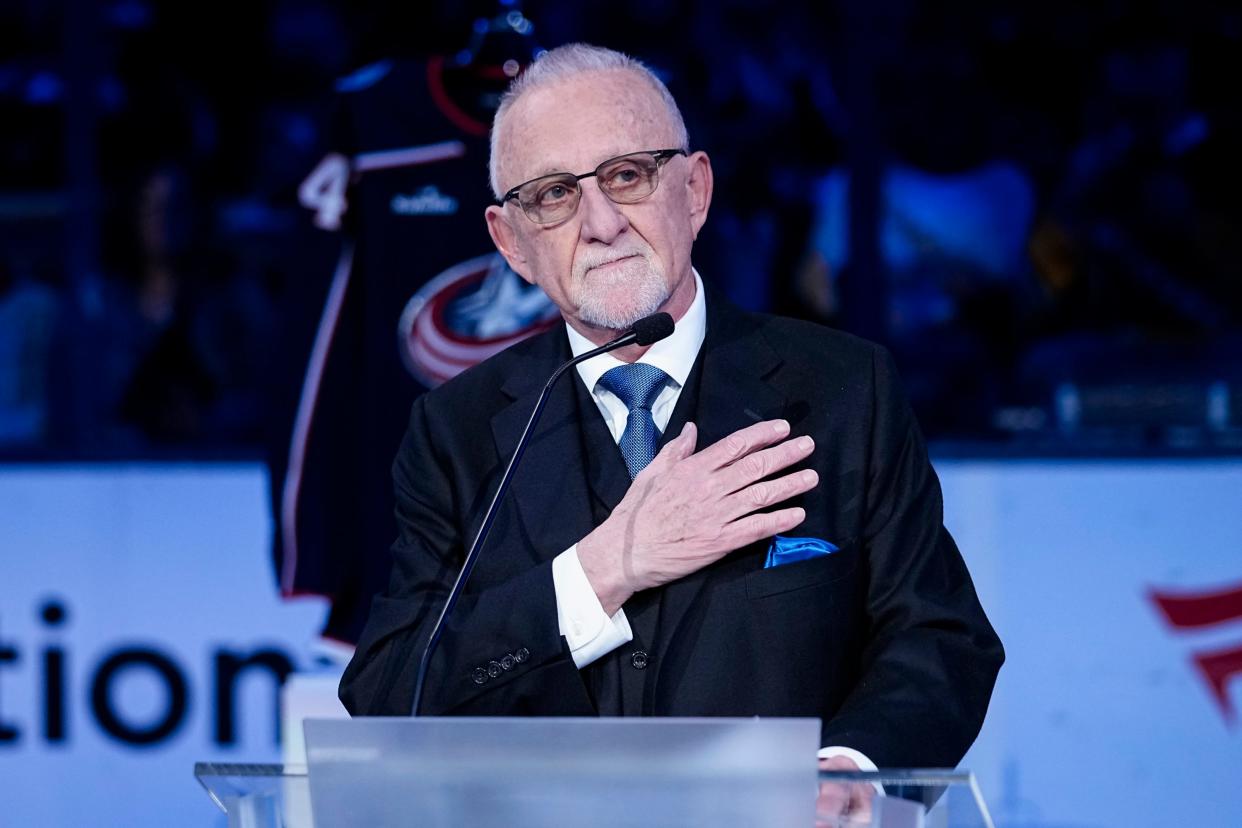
823, 569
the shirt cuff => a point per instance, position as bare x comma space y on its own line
859, 758
586, 627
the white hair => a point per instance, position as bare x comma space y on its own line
565, 62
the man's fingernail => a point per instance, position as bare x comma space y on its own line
806, 443
780, 426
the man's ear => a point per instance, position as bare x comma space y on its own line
699, 189
505, 237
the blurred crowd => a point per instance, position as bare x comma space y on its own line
1035, 206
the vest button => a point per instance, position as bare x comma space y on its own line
639, 660
479, 675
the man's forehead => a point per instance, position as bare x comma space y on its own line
573, 125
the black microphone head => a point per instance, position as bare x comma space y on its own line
651, 329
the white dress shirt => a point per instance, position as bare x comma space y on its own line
590, 632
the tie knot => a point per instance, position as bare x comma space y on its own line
636, 384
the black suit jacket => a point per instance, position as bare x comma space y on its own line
884, 640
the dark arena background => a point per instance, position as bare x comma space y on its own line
237, 240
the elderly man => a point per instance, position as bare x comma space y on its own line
644, 562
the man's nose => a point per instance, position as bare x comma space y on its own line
602, 219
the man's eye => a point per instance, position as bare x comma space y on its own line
553, 194
624, 177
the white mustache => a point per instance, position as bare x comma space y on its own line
592, 259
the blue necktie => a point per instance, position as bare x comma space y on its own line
637, 385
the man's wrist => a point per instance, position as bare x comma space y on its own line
603, 574
589, 632
861, 760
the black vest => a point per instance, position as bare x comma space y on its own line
620, 681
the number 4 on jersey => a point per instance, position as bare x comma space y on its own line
324, 191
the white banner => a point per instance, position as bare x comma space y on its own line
140, 631
1102, 715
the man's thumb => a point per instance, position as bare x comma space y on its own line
686, 441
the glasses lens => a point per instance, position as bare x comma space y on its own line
629, 178
549, 199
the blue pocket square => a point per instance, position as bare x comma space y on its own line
790, 550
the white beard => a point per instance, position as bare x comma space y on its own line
618, 296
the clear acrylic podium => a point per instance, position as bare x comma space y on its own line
597, 772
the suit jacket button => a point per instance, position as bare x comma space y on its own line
507, 663
521, 655
638, 660
479, 675
493, 668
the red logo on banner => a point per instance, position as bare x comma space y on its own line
1196, 610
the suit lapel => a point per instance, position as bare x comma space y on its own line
548, 487
734, 391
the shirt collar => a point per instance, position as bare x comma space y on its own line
674, 355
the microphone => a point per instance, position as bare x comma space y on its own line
646, 331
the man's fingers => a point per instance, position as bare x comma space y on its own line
770, 492
861, 796
847, 801
751, 528
760, 464
843, 803
833, 802
742, 442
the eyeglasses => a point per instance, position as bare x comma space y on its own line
626, 179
